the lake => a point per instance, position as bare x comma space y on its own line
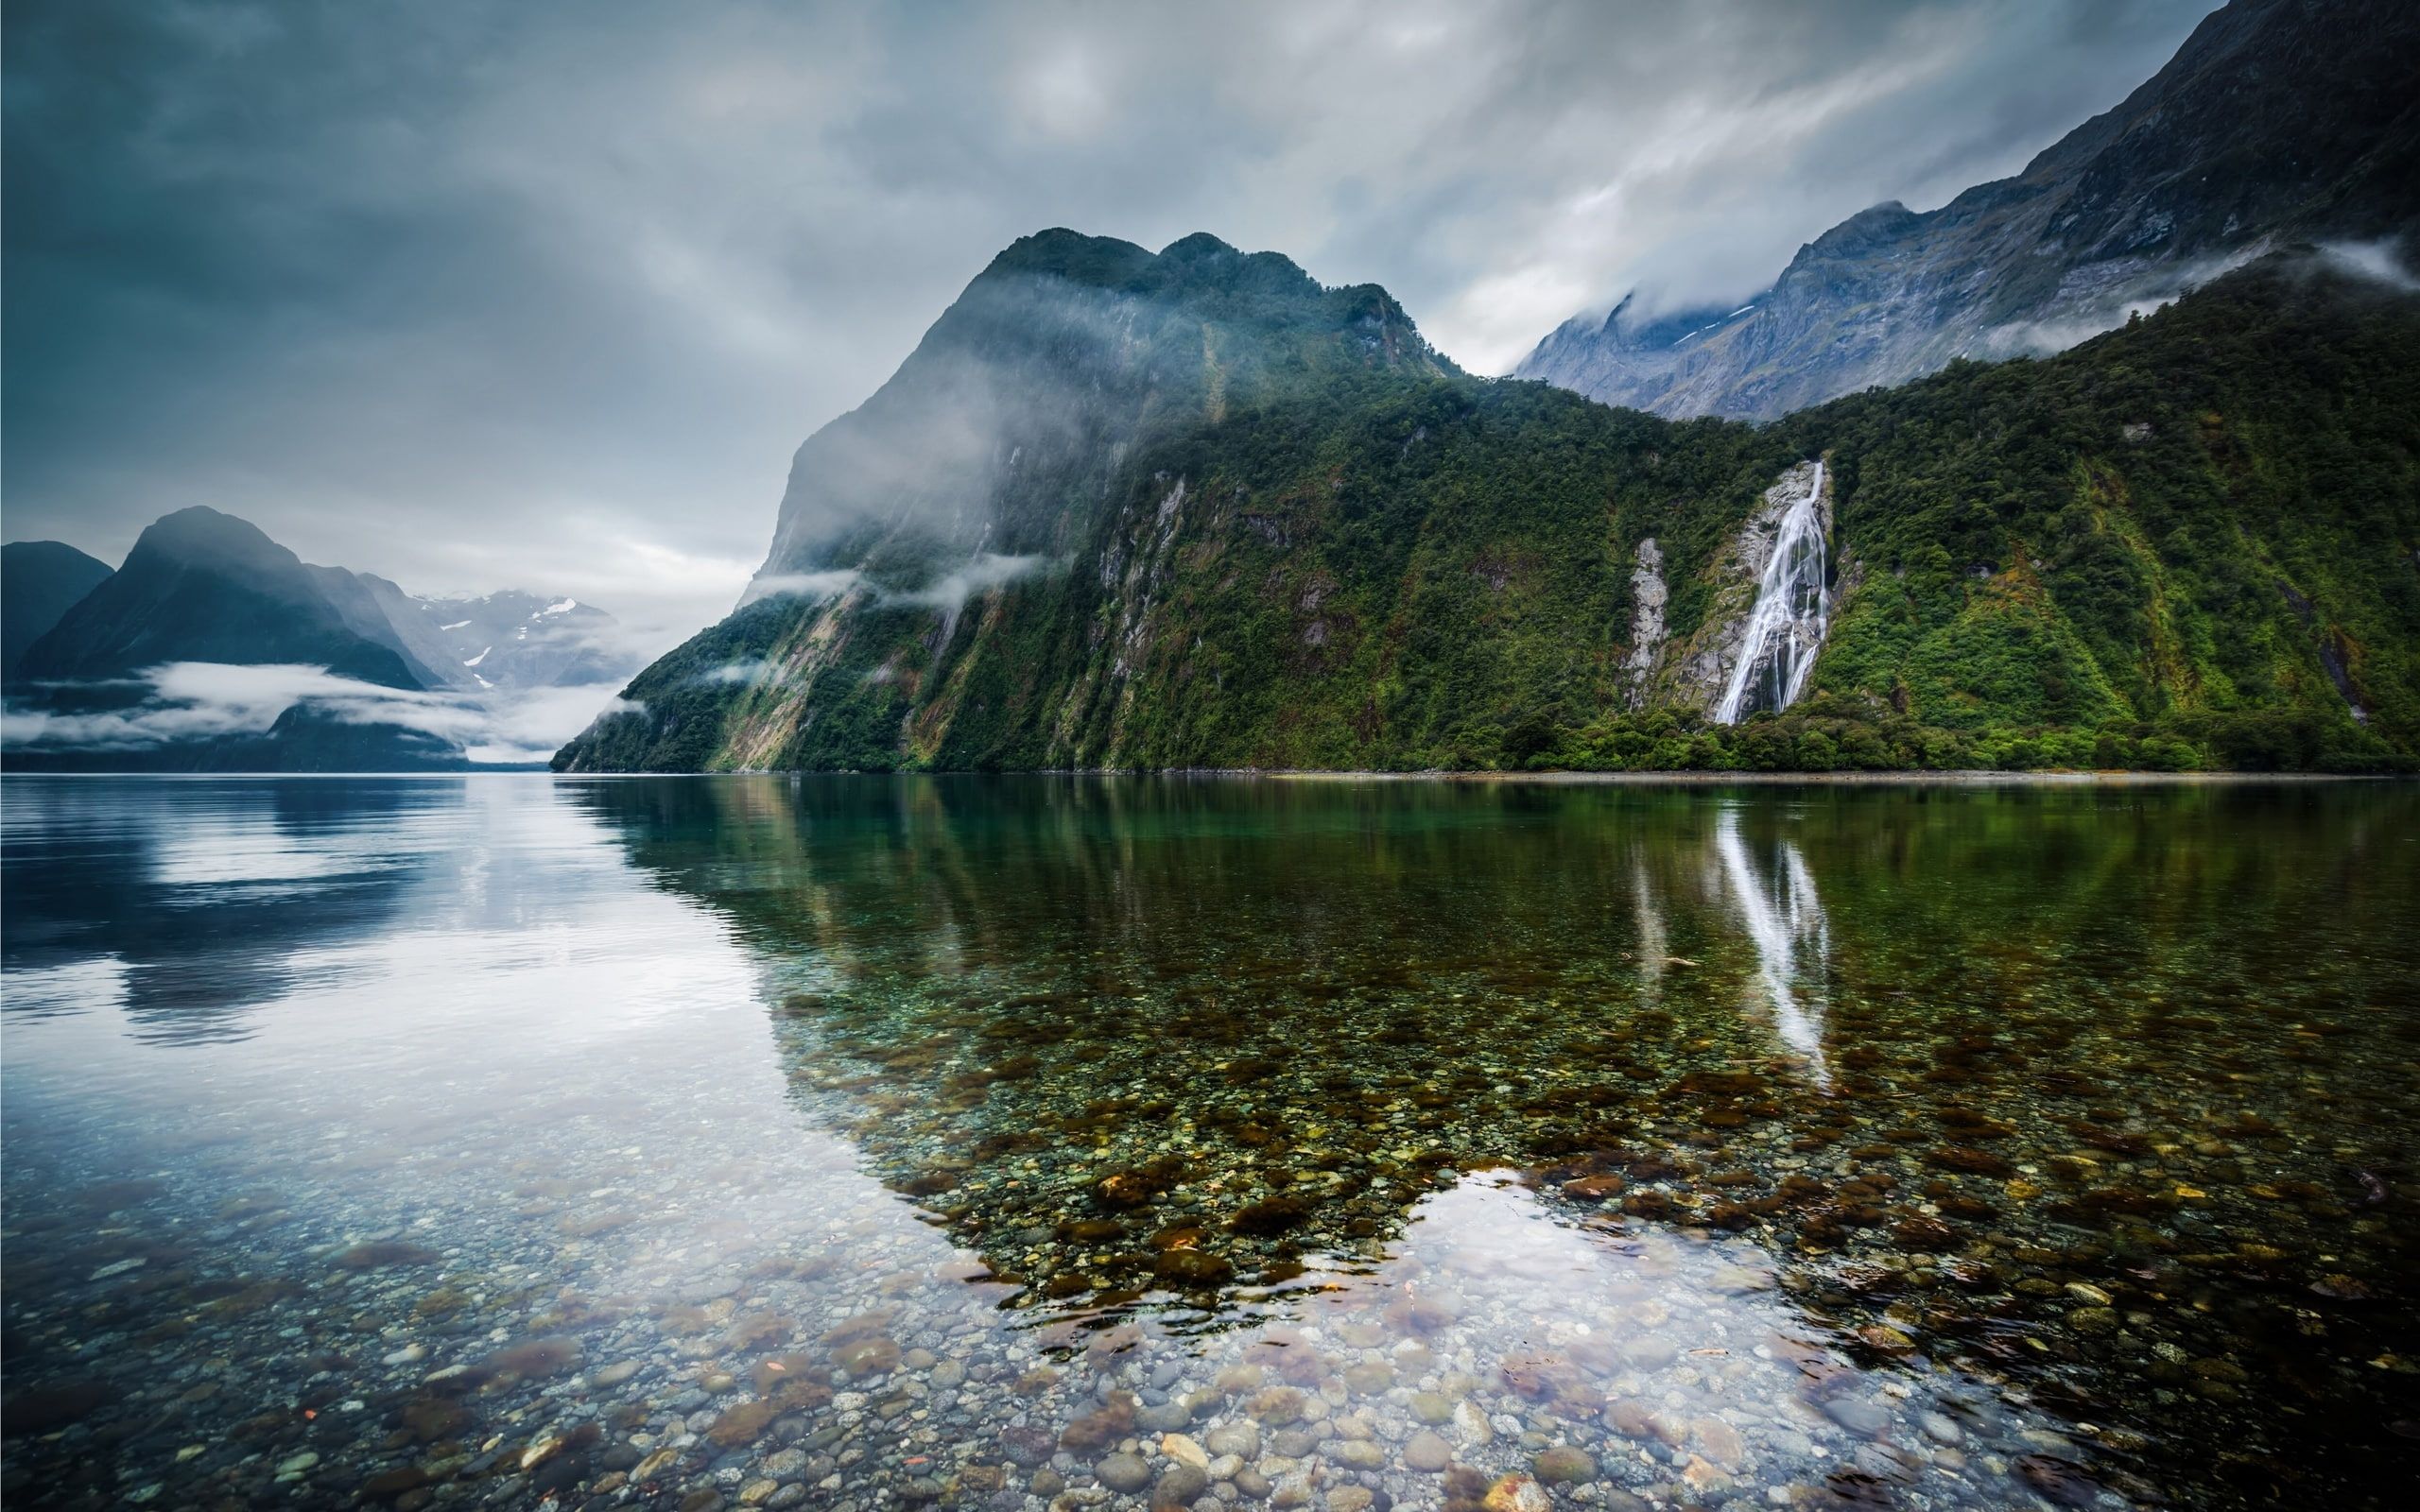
1026, 1141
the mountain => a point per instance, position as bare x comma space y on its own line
39, 581
214, 648
993, 457
1119, 513
202, 586
511, 638
2277, 121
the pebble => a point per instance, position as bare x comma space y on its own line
1123, 1472
1563, 1466
1471, 1425
1427, 1452
1517, 1493
1180, 1484
1858, 1414
1239, 1438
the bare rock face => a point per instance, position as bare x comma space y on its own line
1647, 630
2277, 121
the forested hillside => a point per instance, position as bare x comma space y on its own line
2189, 542
2192, 540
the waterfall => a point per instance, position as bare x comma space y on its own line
1785, 628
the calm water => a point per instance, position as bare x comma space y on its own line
1035, 1142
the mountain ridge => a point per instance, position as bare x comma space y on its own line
204, 590
203, 586
2195, 171
1392, 565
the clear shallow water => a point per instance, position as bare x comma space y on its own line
1015, 1141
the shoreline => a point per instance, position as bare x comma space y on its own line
1964, 777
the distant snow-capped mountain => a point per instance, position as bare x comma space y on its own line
2278, 121
513, 640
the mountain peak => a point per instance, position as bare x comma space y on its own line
201, 585
1199, 262
1058, 253
1198, 248
201, 534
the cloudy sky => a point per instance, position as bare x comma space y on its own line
480, 295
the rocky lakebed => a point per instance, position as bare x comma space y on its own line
724, 1143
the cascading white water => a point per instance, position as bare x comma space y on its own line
1785, 628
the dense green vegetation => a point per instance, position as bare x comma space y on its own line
2189, 544
2194, 538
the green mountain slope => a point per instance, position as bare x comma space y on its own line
1267, 528
2202, 527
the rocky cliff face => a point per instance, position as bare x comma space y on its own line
2278, 120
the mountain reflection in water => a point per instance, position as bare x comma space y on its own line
851, 1140
1168, 1049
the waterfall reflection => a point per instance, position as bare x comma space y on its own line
1785, 921
1654, 945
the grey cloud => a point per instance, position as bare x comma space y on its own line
477, 295
949, 592
828, 584
2376, 260
2157, 285
750, 669
988, 571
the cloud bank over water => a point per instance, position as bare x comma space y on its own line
184, 701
